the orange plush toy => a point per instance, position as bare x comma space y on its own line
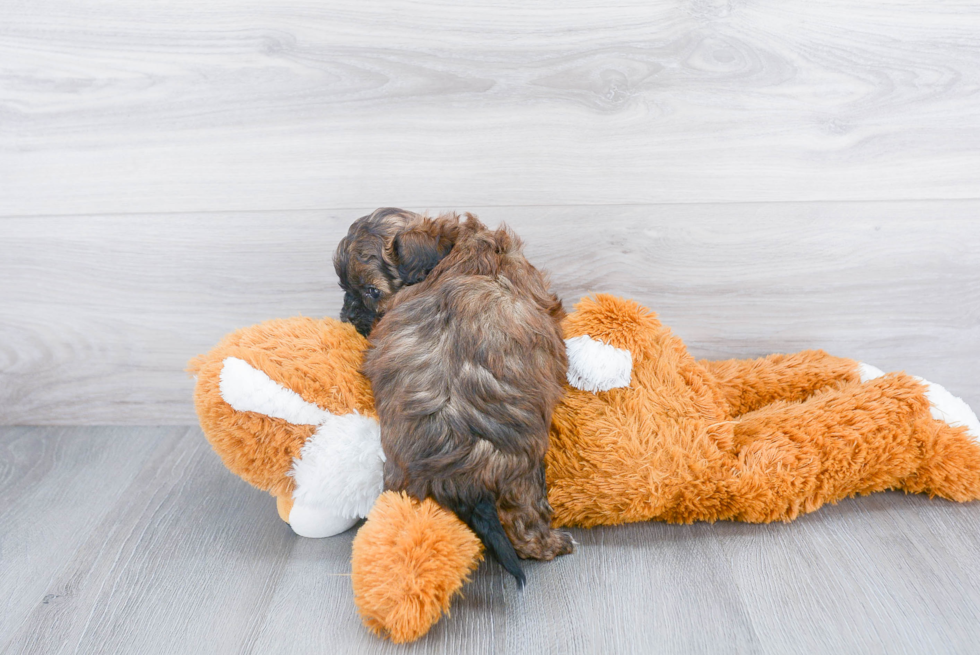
645, 432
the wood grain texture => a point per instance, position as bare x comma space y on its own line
136, 540
99, 315
55, 487
132, 106
163, 570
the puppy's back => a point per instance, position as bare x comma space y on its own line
482, 328
466, 369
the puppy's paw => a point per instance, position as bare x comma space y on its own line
567, 544
559, 543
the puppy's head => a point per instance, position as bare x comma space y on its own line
384, 252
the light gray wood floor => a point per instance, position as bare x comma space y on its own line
137, 540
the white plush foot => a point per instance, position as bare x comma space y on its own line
869, 372
952, 410
314, 522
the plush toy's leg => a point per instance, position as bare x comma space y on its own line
311, 521
283, 505
950, 436
858, 438
746, 385
317, 522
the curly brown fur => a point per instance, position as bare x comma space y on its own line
466, 368
383, 252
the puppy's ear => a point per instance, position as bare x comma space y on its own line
419, 249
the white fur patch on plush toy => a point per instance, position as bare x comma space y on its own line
951, 409
596, 366
869, 372
340, 467
248, 389
944, 406
338, 474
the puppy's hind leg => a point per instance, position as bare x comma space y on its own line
526, 516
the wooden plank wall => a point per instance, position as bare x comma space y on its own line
769, 176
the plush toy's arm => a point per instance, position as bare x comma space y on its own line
745, 385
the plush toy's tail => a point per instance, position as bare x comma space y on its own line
408, 561
483, 519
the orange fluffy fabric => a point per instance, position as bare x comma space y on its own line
745, 385
426, 556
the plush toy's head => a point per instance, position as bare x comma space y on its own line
285, 406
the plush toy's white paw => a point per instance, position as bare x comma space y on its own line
950, 409
869, 372
315, 522
341, 467
595, 366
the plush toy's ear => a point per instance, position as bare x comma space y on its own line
420, 248
408, 561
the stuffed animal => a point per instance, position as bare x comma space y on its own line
644, 432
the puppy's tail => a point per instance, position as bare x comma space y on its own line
483, 519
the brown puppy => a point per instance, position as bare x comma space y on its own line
466, 368
383, 252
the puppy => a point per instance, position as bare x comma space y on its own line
467, 366
383, 252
